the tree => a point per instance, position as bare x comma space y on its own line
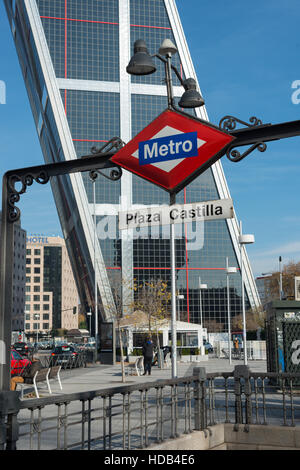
255, 319
213, 326
119, 312
153, 298
272, 282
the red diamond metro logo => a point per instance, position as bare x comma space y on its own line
173, 150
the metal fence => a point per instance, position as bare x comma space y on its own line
67, 361
256, 350
136, 416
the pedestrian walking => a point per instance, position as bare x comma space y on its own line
148, 356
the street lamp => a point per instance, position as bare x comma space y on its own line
280, 278
142, 63
179, 297
93, 177
89, 314
229, 270
201, 286
244, 240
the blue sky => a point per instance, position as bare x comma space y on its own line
246, 56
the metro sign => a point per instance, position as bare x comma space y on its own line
173, 150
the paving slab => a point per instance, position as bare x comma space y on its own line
101, 376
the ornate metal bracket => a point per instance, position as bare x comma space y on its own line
229, 124
17, 181
235, 156
113, 144
13, 195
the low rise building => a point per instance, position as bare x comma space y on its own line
18, 282
51, 300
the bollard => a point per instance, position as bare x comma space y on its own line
242, 372
199, 397
9, 428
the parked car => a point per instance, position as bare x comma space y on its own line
25, 349
207, 346
65, 356
17, 363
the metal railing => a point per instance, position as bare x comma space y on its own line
136, 416
66, 361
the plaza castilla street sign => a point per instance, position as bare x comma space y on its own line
173, 150
176, 214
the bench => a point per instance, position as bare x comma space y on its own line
44, 375
137, 367
167, 360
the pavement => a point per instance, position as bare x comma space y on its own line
101, 376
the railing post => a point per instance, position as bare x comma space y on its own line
199, 398
242, 372
9, 428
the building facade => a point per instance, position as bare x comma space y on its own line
18, 277
51, 292
73, 55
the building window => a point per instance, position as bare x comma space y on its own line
36, 288
36, 298
28, 260
28, 252
46, 307
36, 279
37, 260
46, 298
36, 307
45, 326
37, 270
37, 252
46, 316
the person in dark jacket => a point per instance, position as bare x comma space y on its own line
148, 356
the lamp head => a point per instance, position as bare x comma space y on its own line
246, 239
167, 47
191, 98
141, 62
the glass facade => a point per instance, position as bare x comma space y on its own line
85, 41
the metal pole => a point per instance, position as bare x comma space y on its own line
228, 312
243, 301
95, 267
173, 295
168, 71
280, 278
200, 300
6, 287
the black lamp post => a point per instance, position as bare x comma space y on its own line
141, 63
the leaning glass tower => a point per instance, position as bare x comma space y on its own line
73, 55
